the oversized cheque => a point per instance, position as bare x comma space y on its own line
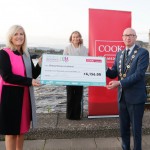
73, 70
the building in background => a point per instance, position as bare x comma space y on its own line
144, 44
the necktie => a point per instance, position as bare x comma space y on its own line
128, 50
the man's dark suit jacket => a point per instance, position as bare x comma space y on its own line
133, 85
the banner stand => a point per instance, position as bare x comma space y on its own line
105, 39
103, 116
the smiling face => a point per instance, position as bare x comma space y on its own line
18, 39
75, 39
129, 37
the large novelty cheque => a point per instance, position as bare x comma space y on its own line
73, 70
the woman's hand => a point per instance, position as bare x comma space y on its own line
35, 82
40, 61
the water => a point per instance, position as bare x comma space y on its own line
51, 98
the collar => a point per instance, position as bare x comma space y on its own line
131, 48
75, 47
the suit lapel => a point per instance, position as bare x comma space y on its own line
129, 58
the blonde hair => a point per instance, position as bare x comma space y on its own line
76, 32
11, 32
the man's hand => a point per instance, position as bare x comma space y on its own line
113, 85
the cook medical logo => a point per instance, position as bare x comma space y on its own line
108, 49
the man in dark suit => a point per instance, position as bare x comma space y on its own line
130, 66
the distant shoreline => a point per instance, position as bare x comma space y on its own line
36, 53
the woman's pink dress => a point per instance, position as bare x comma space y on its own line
26, 112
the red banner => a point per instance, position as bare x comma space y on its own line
105, 39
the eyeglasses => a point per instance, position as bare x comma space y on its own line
129, 35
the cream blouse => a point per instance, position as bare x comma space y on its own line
71, 50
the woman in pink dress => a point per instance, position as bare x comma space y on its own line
17, 78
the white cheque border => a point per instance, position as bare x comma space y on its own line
73, 70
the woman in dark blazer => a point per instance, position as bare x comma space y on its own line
17, 78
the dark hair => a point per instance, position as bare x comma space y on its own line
76, 32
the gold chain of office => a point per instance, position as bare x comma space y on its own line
128, 66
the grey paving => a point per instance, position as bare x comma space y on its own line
105, 143
34, 144
55, 125
108, 143
55, 132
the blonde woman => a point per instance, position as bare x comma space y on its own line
17, 78
74, 93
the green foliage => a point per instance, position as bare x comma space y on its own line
48, 109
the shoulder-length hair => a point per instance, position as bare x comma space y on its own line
76, 32
11, 32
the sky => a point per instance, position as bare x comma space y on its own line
50, 22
